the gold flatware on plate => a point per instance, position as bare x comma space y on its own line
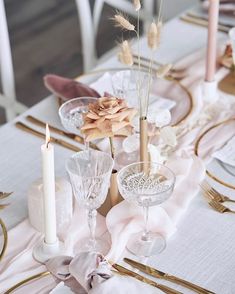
161, 275
77, 138
4, 195
25, 281
215, 195
124, 271
196, 16
156, 63
176, 75
63, 143
202, 22
220, 207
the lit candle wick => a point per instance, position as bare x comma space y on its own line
47, 135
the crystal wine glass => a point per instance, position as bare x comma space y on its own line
89, 173
71, 114
146, 184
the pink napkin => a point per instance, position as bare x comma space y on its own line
91, 271
68, 88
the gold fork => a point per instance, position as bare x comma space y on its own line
215, 194
220, 207
215, 204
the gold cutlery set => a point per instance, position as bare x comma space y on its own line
4, 195
118, 269
175, 73
215, 199
60, 142
193, 18
157, 274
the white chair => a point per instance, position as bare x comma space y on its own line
89, 23
7, 97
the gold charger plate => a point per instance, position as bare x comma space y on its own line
210, 173
25, 281
168, 87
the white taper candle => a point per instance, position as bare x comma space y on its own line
48, 176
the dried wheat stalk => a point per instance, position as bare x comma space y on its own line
137, 5
123, 22
125, 55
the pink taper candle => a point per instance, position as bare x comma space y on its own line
212, 40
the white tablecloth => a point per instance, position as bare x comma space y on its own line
203, 248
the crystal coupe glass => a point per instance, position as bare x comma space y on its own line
89, 173
71, 114
146, 184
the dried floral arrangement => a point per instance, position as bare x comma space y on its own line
125, 56
106, 118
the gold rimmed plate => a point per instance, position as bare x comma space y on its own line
220, 172
169, 88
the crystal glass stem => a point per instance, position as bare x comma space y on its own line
91, 215
145, 235
87, 145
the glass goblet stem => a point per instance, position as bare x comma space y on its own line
91, 214
87, 145
145, 235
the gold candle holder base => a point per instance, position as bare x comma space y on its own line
144, 139
113, 197
227, 84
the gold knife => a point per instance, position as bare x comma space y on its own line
77, 138
196, 16
63, 143
161, 275
124, 271
5, 194
202, 23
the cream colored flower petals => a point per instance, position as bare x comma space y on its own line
168, 136
107, 117
162, 118
137, 5
163, 70
125, 55
123, 22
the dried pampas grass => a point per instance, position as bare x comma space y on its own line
154, 35
125, 55
123, 22
137, 5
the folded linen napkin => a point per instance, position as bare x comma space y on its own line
68, 88
92, 271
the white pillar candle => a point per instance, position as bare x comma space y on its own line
48, 178
63, 200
